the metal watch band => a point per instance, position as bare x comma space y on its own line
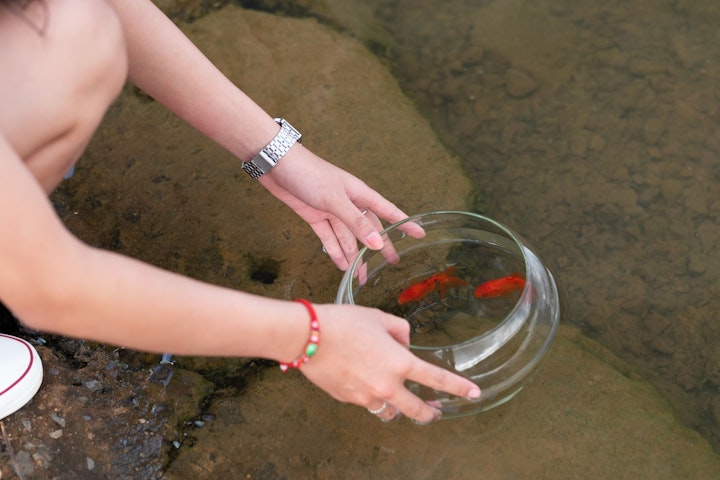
269, 156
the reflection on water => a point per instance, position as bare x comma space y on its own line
593, 129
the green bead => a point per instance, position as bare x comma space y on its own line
311, 349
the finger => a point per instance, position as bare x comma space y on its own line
346, 239
388, 211
330, 243
414, 408
443, 380
391, 414
361, 226
385, 412
412, 229
399, 329
388, 250
361, 273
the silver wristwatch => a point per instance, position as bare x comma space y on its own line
269, 156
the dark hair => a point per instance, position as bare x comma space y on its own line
18, 8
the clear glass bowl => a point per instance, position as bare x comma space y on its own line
498, 338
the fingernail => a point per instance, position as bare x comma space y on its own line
474, 393
374, 241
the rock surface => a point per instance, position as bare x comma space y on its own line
586, 415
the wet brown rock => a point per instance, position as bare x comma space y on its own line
581, 388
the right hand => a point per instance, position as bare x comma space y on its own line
363, 358
332, 202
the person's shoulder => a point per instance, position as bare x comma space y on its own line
48, 24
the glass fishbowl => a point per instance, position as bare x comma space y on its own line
479, 301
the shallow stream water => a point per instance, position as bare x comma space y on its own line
593, 128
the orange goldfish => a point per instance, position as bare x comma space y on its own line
500, 286
443, 280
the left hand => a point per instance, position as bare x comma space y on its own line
339, 207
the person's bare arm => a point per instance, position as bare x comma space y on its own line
54, 282
169, 67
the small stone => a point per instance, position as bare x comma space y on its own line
58, 419
653, 130
697, 264
597, 143
708, 233
519, 84
690, 54
90, 463
654, 152
92, 384
56, 434
42, 457
25, 462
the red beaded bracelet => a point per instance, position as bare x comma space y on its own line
312, 344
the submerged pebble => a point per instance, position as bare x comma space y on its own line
58, 419
25, 464
92, 384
